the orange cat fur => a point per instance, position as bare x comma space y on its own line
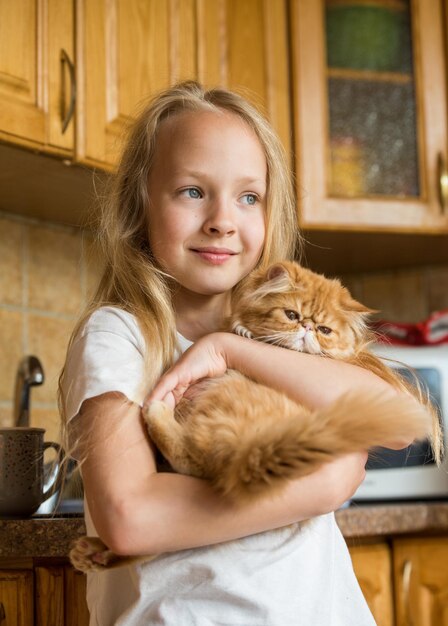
249, 439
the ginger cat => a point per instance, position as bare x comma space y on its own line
247, 439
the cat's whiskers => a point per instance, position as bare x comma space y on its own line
273, 339
279, 338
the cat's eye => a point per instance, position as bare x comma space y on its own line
292, 315
324, 330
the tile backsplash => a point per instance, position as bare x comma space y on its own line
47, 272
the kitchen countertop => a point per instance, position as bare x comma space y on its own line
48, 536
368, 520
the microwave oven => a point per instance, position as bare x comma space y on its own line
411, 474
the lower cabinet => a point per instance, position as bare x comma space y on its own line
16, 598
373, 567
404, 581
43, 595
421, 574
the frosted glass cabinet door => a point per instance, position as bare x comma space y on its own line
370, 113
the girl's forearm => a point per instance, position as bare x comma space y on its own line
174, 512
311, 379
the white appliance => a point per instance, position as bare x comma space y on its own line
411, 474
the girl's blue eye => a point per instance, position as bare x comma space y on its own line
192, 192
250, 198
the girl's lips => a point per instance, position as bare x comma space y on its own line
214, 256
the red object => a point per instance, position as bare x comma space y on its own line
433, 331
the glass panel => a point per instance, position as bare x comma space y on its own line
371, 99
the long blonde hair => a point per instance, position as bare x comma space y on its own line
131, 279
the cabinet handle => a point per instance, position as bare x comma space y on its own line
67, 114
2, 612
406, 578
442, 175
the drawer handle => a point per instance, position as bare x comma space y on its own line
406, 577
67, 114
442, 176
2, 612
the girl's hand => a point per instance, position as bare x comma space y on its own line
206, 358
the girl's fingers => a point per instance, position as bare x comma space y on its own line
168, 384
178, 392
170, 400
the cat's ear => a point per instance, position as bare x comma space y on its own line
276, 271
275, 279
350, 304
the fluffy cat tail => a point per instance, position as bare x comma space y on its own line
267, 456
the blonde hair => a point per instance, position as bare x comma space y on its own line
131, 279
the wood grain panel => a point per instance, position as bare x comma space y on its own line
243, 45
49, 583
421, 574
16, 595
76, 612
32, 34
373, 569
128, 51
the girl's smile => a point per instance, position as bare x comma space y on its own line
207, 198
215, 256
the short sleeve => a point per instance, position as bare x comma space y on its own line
107, 355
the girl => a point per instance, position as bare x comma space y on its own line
202, 196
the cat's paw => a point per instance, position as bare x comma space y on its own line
241, 330
90, 554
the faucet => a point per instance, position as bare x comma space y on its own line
29, 374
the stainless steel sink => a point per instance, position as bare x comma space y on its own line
66, 508
70, 506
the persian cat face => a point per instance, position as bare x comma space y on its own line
293, 307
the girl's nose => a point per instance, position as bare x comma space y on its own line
219, 219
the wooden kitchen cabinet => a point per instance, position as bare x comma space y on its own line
16, 598
421, 579
373, 566
126, 51
47, 594
370, 114
129, 50
404, 580
36, 53
243, 45
76, 612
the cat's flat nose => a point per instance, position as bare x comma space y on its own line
308, 326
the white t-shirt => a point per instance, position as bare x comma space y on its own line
300, 575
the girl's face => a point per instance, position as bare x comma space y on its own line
207, 197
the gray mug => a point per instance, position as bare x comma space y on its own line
22, 471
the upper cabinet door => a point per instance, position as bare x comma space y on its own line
36, 73
243, 45
127, 50
370, 114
